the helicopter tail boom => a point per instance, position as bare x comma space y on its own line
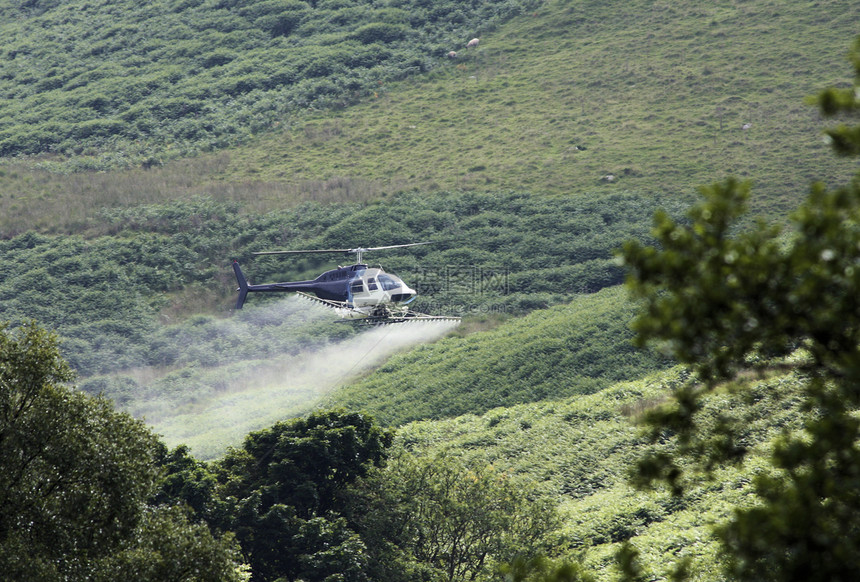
290, 286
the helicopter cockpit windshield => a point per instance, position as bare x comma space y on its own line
387, 282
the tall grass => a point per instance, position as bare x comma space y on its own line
66, 203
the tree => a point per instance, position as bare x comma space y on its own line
285, 486
76, 475
167, 545
304, 462
765, 299
435, 518
188, 482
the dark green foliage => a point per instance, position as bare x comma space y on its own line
435, 518
187, 482
313, 498
68, 488
629, 564
304, 462
128, 77
284, 486
736, 300
724, 304
539, 569
168, 546
845, 138
380, 32
76, 480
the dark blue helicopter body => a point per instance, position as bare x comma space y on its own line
332, 285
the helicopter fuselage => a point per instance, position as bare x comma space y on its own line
358, 287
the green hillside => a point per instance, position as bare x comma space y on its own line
562, 96
575, 349
127, 304
140, 82
655, 95
581, 451
118, 298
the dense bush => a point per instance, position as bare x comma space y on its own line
435, 517
282, 490
763, 300
78, 480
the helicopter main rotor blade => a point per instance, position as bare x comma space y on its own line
358, 250
395, 246
304, 251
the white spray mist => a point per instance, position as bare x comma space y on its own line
288, 386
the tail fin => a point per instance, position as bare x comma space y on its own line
243, 285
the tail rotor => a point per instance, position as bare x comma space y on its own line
243, 285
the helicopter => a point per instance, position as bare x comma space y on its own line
356, 292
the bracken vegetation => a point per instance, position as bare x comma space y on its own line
560, 97
168, 78
579, 348
122, 300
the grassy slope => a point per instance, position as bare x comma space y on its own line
655, 93
579, 348
124, 83
581, 449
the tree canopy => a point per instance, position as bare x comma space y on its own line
76, 482
283, 489
435, 517
767, 300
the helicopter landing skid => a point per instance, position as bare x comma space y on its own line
411, 316
384, 315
